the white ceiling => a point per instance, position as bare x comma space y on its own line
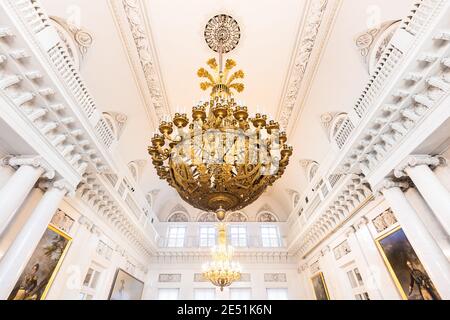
269, 28
268, 33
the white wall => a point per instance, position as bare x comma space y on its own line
257, 284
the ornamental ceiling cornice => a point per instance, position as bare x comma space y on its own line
318, 19
132, 21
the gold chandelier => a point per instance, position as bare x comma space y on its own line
221, 160
222, 271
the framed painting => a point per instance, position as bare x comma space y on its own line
40, 271
126, 287
320, 287
405, 267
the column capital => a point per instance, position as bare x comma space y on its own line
61, 185
387, 184
364, 221
302, 268
33, 161
351, 230
418, 160
325, 250
85, 222
96, 230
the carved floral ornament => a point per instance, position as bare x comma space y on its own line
178, 217
76, 40
384, 221
266, 217
331, 122
372, 43
301, 59
136, 23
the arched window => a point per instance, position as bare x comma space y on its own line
134, 170
207, 217
116, 121
336, 124
178, 217
111, 123
237, 217
311, 170
266, 217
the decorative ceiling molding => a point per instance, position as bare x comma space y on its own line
132, 21
76, 40
319, 15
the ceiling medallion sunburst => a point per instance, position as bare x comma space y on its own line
221, 160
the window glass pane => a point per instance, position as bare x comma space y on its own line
88, 277
352, 279
94, 281
277, 294
207, 236
270, 237
204, 294
176, 237
240, 293
358, 277
238, 236
168, 294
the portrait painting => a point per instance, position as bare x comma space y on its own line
408, 273
126, 287
40, 271
320, 287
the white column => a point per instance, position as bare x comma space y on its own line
429, 253
110, 272
15, 191
380, 277
363, 266
305, 285
436, 195
18, 254
337, 288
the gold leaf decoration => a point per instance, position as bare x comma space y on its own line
239, 87
230, 64
205, 85
237, 75
212, 63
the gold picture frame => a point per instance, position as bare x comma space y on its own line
45, 285
407, 262
126, 287
319, 279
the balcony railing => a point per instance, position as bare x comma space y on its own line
325, 188
193, 242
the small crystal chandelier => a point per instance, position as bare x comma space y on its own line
222, 271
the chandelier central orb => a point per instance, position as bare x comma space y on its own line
223, 159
